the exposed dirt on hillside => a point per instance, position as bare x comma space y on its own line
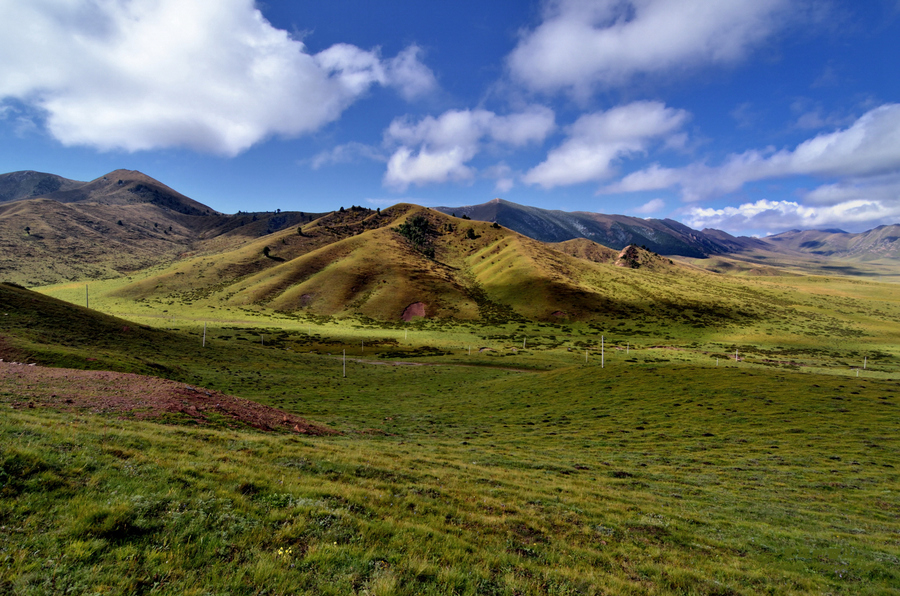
138, 397
416, 309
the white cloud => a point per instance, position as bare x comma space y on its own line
504, 184
596, 141
409, 75
867, 148
778, 216
436, 150
427, 166
885, 189
210, 76
582, 43
503, 176
346, 153
651, 206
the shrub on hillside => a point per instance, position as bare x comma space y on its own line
418, 231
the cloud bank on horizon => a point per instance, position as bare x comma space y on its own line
591, 100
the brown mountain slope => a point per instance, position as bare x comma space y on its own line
130, 187
664, 236
115, 224
362, 263
587, 249
29, 184
43, 241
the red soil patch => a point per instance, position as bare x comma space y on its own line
139, 397
416, 309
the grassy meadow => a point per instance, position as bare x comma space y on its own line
469, 462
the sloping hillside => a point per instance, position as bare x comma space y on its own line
29, 184
663, 236
130, 187
379, 264
116, 224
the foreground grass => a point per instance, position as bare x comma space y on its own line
672, 469
659, 478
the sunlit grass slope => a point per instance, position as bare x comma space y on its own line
513, 471
653, 479
356, 263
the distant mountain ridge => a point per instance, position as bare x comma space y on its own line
119, 187
30, 184
663, 236
672, 238
53, 229
882, 242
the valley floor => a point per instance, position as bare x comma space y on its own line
517, 458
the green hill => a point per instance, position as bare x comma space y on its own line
360, 263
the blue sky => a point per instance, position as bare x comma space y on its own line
753, 116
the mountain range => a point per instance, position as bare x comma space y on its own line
669, 237
498, 260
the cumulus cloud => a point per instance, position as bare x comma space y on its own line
778, 216
867, 148
885, 189
596, 141
582, 43
409, 74
651, 206
435, 150
346, 153
210, 76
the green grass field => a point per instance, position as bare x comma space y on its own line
671, 469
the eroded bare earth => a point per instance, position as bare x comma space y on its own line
137, 396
